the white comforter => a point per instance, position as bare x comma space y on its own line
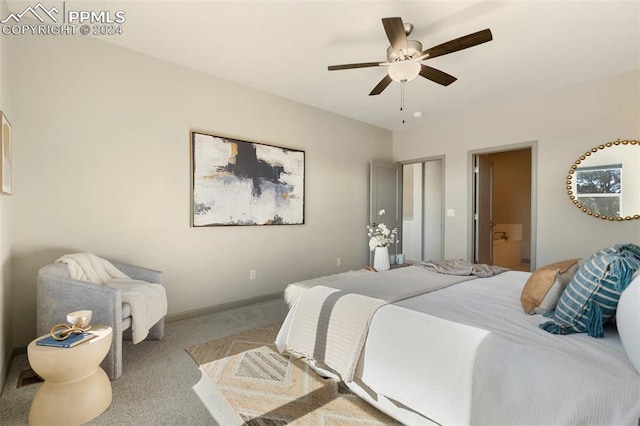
468, 354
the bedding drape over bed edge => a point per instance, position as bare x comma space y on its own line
329, 323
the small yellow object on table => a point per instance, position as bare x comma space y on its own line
76, 390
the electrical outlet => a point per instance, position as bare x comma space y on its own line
339, 261
252, 274
451, 213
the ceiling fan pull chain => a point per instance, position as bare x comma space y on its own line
402, 83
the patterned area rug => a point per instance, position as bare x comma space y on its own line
265, 387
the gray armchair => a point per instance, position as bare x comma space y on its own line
58, 294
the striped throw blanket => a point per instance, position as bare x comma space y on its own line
591, 298
329, 323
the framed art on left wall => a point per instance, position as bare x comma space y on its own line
5, 148
236, 182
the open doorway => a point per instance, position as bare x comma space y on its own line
502, 206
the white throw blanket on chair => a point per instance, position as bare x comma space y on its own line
148, 301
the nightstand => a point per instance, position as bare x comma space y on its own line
75, 389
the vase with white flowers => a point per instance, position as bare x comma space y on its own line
380, 237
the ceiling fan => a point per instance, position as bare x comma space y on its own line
403, 55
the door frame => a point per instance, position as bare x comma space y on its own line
533, 145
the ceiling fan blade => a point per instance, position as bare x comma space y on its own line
396, 35
381, 86
460, 43
435, 75
351, 66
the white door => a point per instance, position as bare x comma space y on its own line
386, 194
483, 210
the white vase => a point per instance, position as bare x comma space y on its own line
381, 259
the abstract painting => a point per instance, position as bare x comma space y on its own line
5, 162
236, 182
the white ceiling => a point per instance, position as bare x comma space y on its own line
284, 48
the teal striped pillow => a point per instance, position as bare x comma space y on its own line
591, 298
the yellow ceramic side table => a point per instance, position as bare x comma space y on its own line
76, 390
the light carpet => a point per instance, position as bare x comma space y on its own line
265, 387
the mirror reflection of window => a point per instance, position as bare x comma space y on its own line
599, 188
599, 180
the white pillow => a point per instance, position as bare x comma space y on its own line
628, 320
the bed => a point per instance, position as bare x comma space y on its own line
466, 353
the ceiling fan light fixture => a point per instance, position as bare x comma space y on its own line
403, 71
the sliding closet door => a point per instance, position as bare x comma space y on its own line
411, 236
423, 210
432, 211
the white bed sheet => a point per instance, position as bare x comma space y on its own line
468, 354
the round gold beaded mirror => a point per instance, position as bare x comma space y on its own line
605, 181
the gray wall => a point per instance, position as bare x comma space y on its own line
565, 123
6, 346
102, 164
